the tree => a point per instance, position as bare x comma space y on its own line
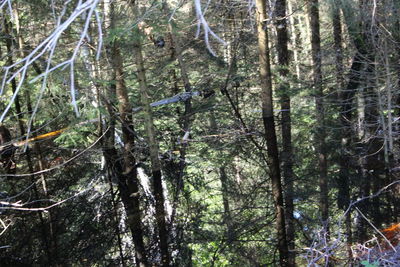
320, 134
153, 149
135, 138
286, 127
270, 133
126, 172
345, 120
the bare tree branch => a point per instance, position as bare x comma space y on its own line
47, 49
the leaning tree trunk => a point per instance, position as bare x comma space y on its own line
128, 183
320, 134
270, 133
287, 155
153, 145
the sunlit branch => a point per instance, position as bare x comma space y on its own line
49, 47
9, 7
202, 22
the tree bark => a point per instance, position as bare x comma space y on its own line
294, 40
320, 134
396, 157
346, 131
270, 133
286, 127
347, 97
128, 183
372, 156
153, 146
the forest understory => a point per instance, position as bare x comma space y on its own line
191, 133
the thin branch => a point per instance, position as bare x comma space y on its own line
376, 229
202, 22
48, 46
62, 164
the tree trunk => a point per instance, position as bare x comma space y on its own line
373, 165
396, 157
153, 145
128, 183
347, 97
270, 133
320, 134
346, 132
295, 41
286, 127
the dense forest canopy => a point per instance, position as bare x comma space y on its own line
200, 133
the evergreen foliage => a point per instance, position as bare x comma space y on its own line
80, 180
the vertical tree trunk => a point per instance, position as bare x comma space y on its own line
373, 165
396, 157
128, 183
270, 133
320, 134
295, 37
284, 88
345, 119
153, 145
387, 99
347, 96
112, 166
345, 115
